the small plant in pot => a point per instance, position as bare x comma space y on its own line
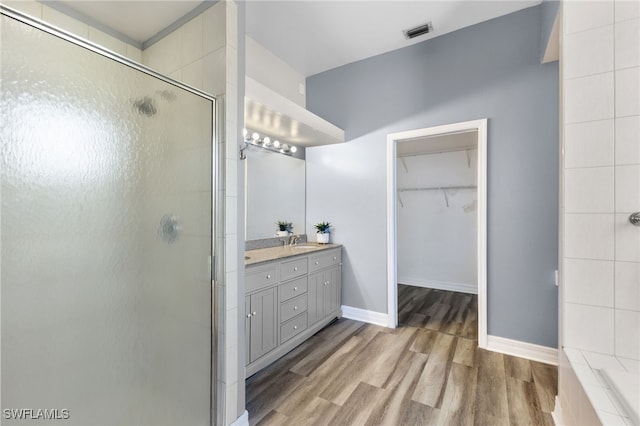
284, 228
322, 232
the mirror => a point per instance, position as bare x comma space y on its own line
275, 191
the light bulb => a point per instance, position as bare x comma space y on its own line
266, 140
245, 132
294, 149
276, 144
255, 136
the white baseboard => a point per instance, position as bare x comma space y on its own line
556, 414
439, 285
243, 420
371, 317
525, 350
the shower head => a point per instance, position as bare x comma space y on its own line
167, 95
146, 106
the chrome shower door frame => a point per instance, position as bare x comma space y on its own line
216, 261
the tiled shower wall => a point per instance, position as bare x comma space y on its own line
205, 53
601, 81
195, 52
45, 13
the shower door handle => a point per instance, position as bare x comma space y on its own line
635, 218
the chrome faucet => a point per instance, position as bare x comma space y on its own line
294, 240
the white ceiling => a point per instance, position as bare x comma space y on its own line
314, 36
310, 35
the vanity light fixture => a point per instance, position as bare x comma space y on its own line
266, 143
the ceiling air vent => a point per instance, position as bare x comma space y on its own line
418, 31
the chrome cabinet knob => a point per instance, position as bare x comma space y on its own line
317, 262
295, 269
295, 308
248, 315
635, 219
268, 276
295, 289
254, 313
295, 327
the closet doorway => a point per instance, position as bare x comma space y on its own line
437, 209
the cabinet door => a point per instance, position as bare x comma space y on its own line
331, 290
264, 322
315, 297
247, 329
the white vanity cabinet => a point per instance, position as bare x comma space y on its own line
287, 301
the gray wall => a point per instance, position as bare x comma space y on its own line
489, 70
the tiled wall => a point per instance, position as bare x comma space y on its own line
601, 83
205, 53
195, 52
600, 63
42, 11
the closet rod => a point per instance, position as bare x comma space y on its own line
438, 188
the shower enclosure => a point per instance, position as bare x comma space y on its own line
107, 302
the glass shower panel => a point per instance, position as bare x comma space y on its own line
105, 239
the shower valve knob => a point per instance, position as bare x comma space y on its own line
635, 218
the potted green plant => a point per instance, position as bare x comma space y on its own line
322, 232
284, 228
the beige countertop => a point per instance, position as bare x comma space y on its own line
253, 257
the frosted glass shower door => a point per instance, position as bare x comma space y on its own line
106, 231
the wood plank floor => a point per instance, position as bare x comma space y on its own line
428, 371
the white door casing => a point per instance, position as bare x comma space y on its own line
392, 273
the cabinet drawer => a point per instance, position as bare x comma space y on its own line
293, 307
260, 278
293, 327
293, 288
293, 268
323, 260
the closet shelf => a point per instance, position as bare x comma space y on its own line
444, 190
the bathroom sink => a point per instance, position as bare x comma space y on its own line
303, 247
